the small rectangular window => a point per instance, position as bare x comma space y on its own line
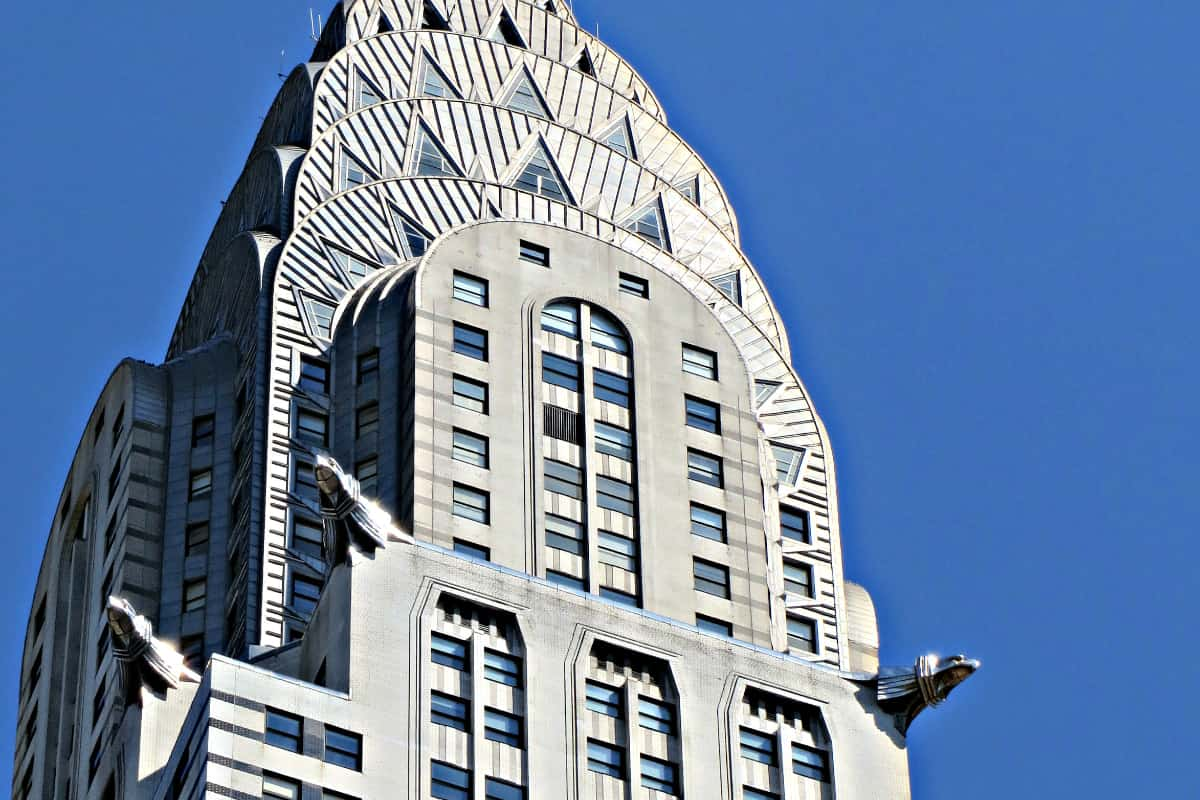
617, 551
562, 478
470, 342
304, 592
194, 595
470, 289
535, 253
559, 371
448, 710
614, 441
368, 368
659, 776
758, 747
604, 699
565, 580
810, 762
196, 539
705, 468
711, 578
308, 537
343, 748
656, 715
802, 634
277, 786
470, 448
448, 651
750, 793
611, 388
708, 522
605, 759
702, 415
470, 394
200, 484
312, 427
793, 524
700, 362
496, 789
502, 668
367, 474
618, 596
615, 495
471, 503
564, 534
314, 375
797, 578
472, 550
283, 730
366, 420
502, 727
714, 625
632, 284
203, 428
448, 782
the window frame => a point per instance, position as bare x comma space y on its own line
721, 531
468, 443
704, 583
699, 366
482, 511
698, 420
298, 737
469, 402
610, 766
470, 341
533, 253
708, 477
473, 290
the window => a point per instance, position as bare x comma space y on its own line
802, 634
614, 441
447, 710
506, 32
618, 596
495, 789
98, 700
787, 463
472, 550
502, 727
564, 534
448, 651
114, 479
607, 333
729, 285
283, 730
99, 429
798, 578
611, 387
658, 775
95, 760
320, 317
366, 420
810, 763
304, 480
194, 594
102, 642
196, 539
793, 524
307, 537
539, 175
431, 20
314, 375
604, 700
280, 787
118, 426
758, 747
711, 578
534, 253
471, 503
700, 362
200, 484
632, 284
502, 668
565, 580
305, 592
705, 468
605, 759
431, 158
701, 414
763, 391
367, 95
690, 188
614, 495
561, 318
312, 427
648, 224
471, 395
714, 625
617, 551
470, 289
368, 368
449, 783
367, 474
559, 371
620, 138
562, 478
353, 173
708, 522
343, 748
655, 715
470, 448
203, 428
750, 793
470, 342
435, 84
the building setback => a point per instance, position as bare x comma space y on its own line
476, 468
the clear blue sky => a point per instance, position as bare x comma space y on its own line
978, 219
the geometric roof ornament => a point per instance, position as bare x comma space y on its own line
619, 136
730, 285
433, 82
429, 157
523, 96
649, 223
505, 31
540, 175
414, 240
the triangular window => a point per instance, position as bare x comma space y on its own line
354, 173
385, 25
585, 63
730, 285
787, 463
431, 159
648, 224
368, 94
525, 97
432, 20
549, 6
637, 98
620, 138
320, 317
506, 31
414, 239
356, 268
540, 176
690, 188
763, 391
434, 82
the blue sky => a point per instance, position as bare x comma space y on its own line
978, 221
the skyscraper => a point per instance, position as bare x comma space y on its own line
476, 468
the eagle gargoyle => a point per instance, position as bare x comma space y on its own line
352, 523
907, 691
145, 661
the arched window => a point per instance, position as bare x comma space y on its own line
607, 333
